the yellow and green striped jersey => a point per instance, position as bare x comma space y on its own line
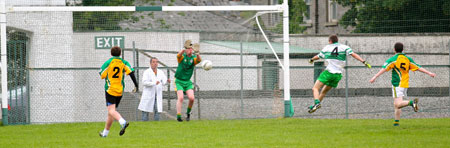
112, 71
401, 64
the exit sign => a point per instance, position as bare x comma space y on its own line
107, 42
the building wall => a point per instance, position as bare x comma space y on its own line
324, 26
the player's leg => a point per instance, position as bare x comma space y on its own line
191, 96
413, 103
316, 95
109, 121
179, 104
324, 92
123, 123
316, 89
399, 103
397, 110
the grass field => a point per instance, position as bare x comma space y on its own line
237, 133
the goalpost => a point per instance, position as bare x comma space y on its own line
283, 8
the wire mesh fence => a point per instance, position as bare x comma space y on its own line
54, 58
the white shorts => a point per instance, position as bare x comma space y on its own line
399, 92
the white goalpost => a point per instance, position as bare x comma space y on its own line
283, 8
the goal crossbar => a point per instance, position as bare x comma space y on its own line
145, 8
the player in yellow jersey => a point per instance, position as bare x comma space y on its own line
113, 72
400, 64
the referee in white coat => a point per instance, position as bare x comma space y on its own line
153, 81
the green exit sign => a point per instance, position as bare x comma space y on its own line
107, 42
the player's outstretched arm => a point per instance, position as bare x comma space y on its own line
357, 57
377, 75
313, 59
136, 85
180, 52
427, 72
196, 48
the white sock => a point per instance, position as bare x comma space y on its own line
122, 121
105, 132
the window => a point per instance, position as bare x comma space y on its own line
332, 11
307, 16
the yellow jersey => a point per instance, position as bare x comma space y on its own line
400, 65
113, 72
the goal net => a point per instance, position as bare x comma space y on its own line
55, 50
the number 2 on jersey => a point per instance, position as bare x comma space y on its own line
335, 52
116, 72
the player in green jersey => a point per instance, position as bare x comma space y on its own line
187, 59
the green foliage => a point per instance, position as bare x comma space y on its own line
151, 15
297, 9
97, 21
258, 133
135, 19
170, 4
247, 14
181, 13
172, 1
397, 16
163, 24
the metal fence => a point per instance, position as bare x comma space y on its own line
252, 92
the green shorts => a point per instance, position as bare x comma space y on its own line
330, 79
183, 85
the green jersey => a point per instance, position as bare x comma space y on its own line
186, 66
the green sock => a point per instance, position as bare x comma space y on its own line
411, 102
316, 101
178, 115
188, 110
396, 122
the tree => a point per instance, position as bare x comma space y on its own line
96, 21
297, 9
396, 16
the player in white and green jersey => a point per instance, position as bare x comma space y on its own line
401, 65
335, 54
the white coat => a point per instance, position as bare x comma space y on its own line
150, 89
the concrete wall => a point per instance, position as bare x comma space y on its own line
50, 46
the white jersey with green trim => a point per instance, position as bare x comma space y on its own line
335, 54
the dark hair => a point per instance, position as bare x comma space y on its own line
152, 59
333, 38
398, 47
116, 51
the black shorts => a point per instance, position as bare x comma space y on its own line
112, 99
